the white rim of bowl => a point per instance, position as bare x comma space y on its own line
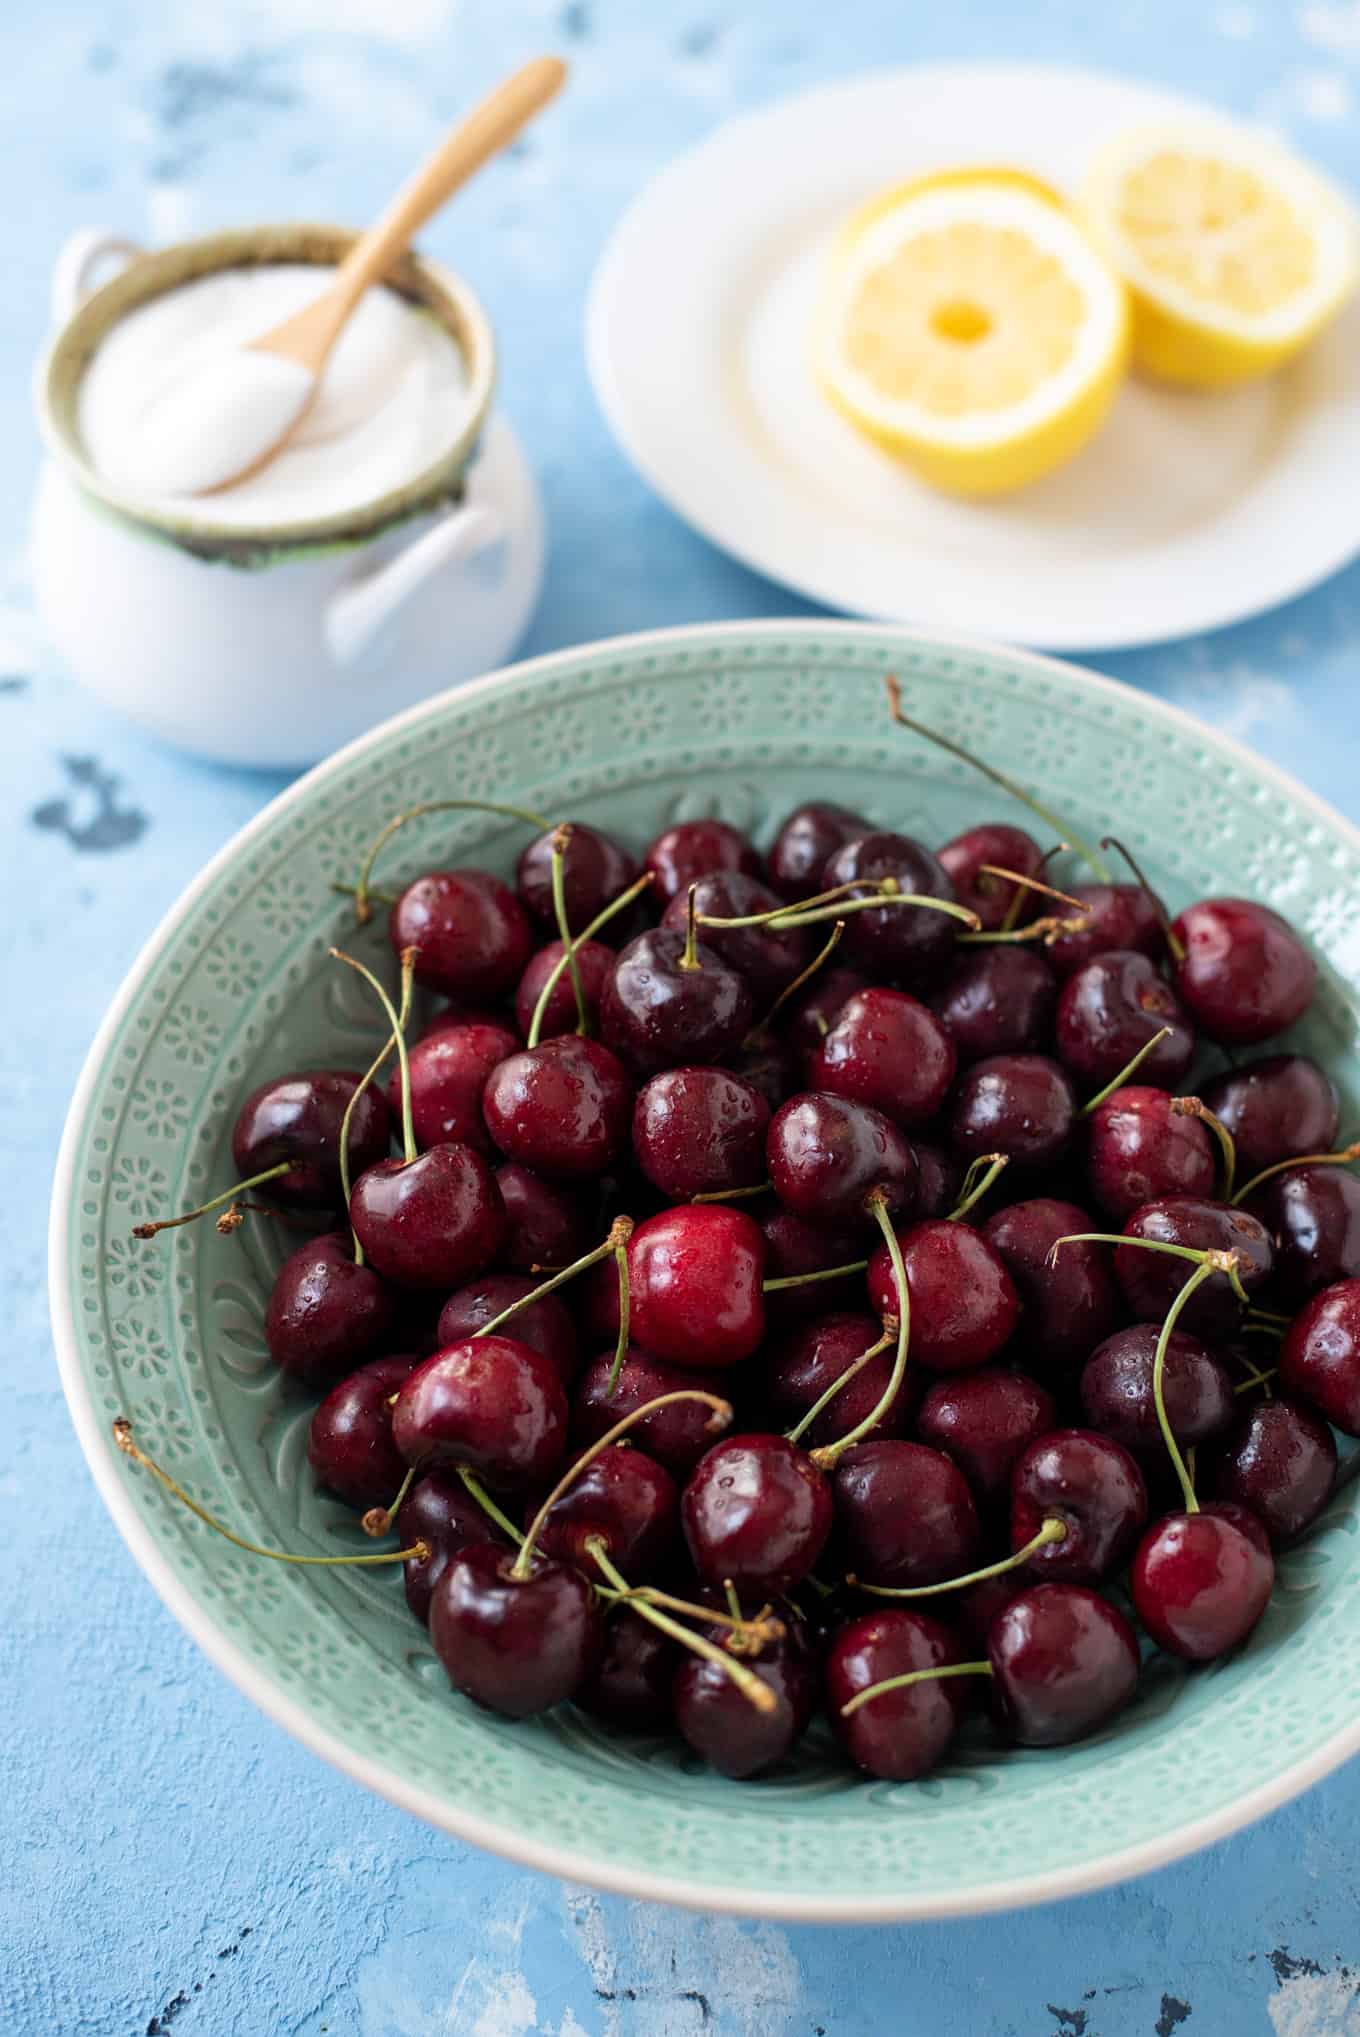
565, 1862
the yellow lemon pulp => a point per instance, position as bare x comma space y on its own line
967, 326
1234, 251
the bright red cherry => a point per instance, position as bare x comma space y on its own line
297, 1118
562, 1108
904, 1514
757, 1512
901, 1733
963, 1301
695, 1275
682, 854
1320, 1356
699, 1131
1246, 974
517, 1645
1094, 1487
470, 932
890, 1052
1200, 1584
1139, 1149
448, 1074
491, 1403
430, 1222
1063, 1662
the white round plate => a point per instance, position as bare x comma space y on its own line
1188, 510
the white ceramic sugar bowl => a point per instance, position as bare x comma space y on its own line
275, 645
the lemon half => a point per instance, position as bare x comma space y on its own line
969, 326
1235, 252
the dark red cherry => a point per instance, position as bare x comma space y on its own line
1116, 1389
1093, 1486
1246, 974
720, 1723
626, 1498
815, 1010
991, 897
963, 1301
441, 1512
682, 854
545, 1324
795, 1246
595, 869
902, 1733
889, 1051
1107, 1013
1067, 1304
769, 1065
545, 1223
938, 1179
349, 1445
912, 942
1112, 916
677, 1435
695, 1274
973, 1609
904, 1514
491, 1403
766, 957
757, 1512
448, 1074
457, 1011
326, 1315
698, 1131
1279, 1460
997, 1001
1139, 1149
1063, 1662
595, 962
430, 1222
984, 1420
809, 835
655, 1013
297, 1118
801, 1370
1313, 1216
1152, 1280
630, 1685
562, 1108
1276, 1108
470, 932
1199, 1584
515, 1645
827, 1156
1320, 1355
1022, 1105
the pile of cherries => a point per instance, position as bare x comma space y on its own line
803, 1282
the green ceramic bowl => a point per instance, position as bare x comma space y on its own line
741, 720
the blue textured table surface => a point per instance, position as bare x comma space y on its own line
168, 1859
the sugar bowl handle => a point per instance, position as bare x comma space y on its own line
79, 260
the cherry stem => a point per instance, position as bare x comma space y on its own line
408, 1130
807, 1279
1216, 1262
1130, 1068
1255, 1378
1010, 785
561, 837
830, 1454
689, 954
1018, 897
1195, 1107
373, 895
750, 1685
1196, 1280
122, 1436
602, 918
228, 1195
1031, 884
1261, 1318
852, 1371
732, 1194
625, 1307
718, 1420
1050, 1531
408, 974
885, 894
873, 1690
621, 1230
1047, 929
489, 1507
1173, 939
761, 1031
1344, 1158
759, 1630
981, 1175
362, 910
378, 1520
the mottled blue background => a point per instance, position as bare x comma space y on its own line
168, 1860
